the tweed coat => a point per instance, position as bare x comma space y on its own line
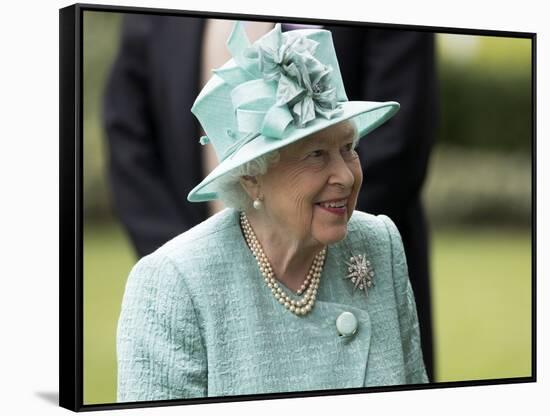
198, 320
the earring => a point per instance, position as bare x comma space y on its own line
257, 204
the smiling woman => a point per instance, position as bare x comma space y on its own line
289, 288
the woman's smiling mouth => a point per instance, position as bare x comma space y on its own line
337, 207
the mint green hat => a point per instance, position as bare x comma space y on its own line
282, 88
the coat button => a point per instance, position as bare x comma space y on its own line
346, 324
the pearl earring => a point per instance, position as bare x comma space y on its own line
257, 204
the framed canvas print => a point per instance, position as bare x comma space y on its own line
257, 207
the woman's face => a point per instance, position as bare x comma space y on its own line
311, 192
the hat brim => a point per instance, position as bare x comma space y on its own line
368, 115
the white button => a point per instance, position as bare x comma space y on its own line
346, 324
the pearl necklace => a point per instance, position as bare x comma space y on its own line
310, 285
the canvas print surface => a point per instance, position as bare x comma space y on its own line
301, 207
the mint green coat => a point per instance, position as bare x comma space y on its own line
198, 320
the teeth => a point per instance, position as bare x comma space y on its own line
334, 204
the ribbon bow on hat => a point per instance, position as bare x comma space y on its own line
276, 81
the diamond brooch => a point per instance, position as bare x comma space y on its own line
361, 273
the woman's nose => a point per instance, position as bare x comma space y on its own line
341, 173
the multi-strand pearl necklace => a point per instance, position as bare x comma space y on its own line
310, 285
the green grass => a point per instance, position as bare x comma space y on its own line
481, 291
107, 262
482, 304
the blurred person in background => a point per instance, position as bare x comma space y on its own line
155, 159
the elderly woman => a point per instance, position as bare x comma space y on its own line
288, 289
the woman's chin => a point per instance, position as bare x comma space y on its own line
330, 227
331, 234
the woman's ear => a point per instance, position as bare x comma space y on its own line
251, 186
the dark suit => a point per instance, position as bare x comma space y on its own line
153, 137
155, 157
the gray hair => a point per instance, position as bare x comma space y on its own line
231, 192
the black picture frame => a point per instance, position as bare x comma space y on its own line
71, 295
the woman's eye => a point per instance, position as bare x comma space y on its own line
316, 153
348, 148
349, 151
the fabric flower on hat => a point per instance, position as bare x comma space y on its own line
303, 81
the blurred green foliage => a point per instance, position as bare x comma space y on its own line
100, 44
485, 88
